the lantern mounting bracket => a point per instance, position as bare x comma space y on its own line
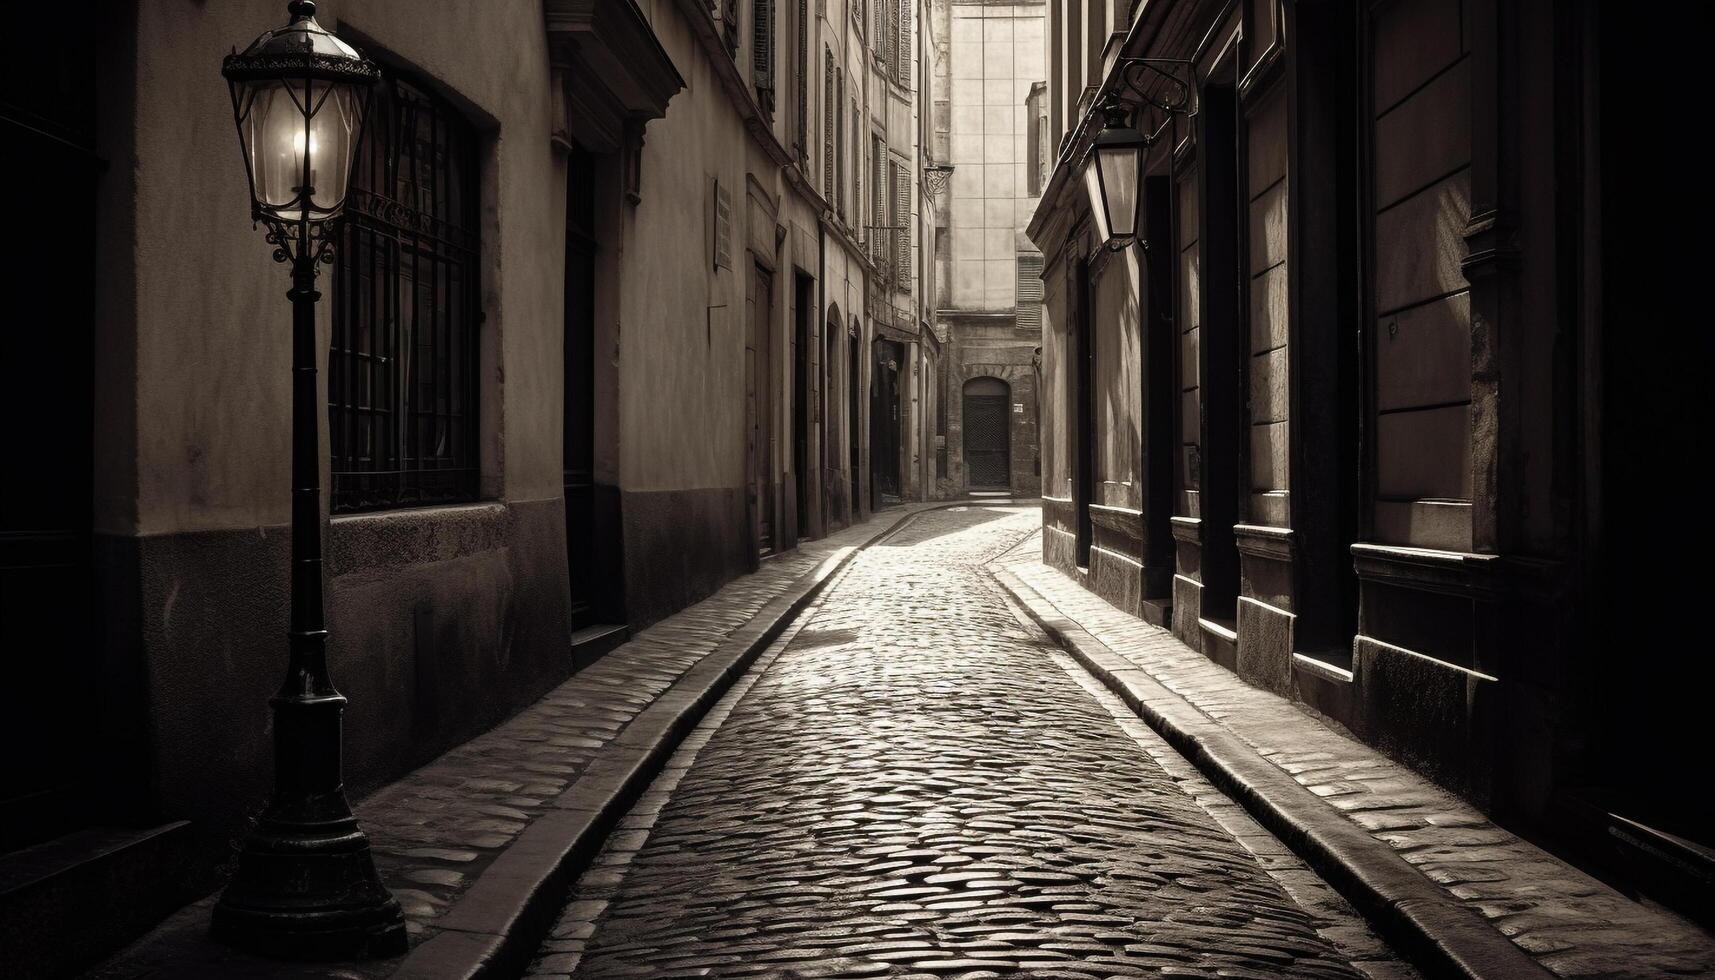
1135, 78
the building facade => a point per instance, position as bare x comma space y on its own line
986, 59
605, 329
1356, 416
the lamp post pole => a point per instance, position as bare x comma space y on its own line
306, 885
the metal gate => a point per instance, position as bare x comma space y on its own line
988, 462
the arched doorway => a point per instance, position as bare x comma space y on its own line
988, 442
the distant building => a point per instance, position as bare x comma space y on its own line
987, 58
1376, 413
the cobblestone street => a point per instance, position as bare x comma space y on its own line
913, 781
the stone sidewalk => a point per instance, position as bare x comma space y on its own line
473, 841
1338, 788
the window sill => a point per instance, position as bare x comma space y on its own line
415, 535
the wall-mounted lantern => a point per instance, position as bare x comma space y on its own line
1113, 170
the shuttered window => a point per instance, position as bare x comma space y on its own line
839, 122
1028, 293
901, 222
878, 236
802, 66
856, 122
762, 53
902, 57
828, 104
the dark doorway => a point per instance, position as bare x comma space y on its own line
1222, 354
1084, 399
1160, 394
803, 349
49, 702
884, 420
758, 375
1643, 493
854, 422
988, 442
579, 435
832, 512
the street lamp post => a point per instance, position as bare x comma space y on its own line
306, 885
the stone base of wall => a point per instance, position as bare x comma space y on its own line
1265, 645
1118, 579
442, 623
682, 545
1431, 715
1187, 599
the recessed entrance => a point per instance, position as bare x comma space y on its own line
988, 444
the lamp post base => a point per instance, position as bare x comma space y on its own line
309, 891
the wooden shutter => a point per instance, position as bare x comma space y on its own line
1028, 292
839, 122
901, 226
829, 104
902, 61
762, 53
878, 236
803, 69
885, 29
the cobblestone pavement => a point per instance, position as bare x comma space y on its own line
485, 792
912, 782
435, 830
1573, 924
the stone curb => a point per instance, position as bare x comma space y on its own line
1437, 934
495, 926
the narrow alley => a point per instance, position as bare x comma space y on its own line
947, 489
913, 781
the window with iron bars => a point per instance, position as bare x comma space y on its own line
402, 380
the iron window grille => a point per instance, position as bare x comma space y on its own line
402, 398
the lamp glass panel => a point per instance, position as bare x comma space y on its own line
278, 137
1119, 167
1098, 203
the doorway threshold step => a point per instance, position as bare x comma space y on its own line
589, 643
61, 900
